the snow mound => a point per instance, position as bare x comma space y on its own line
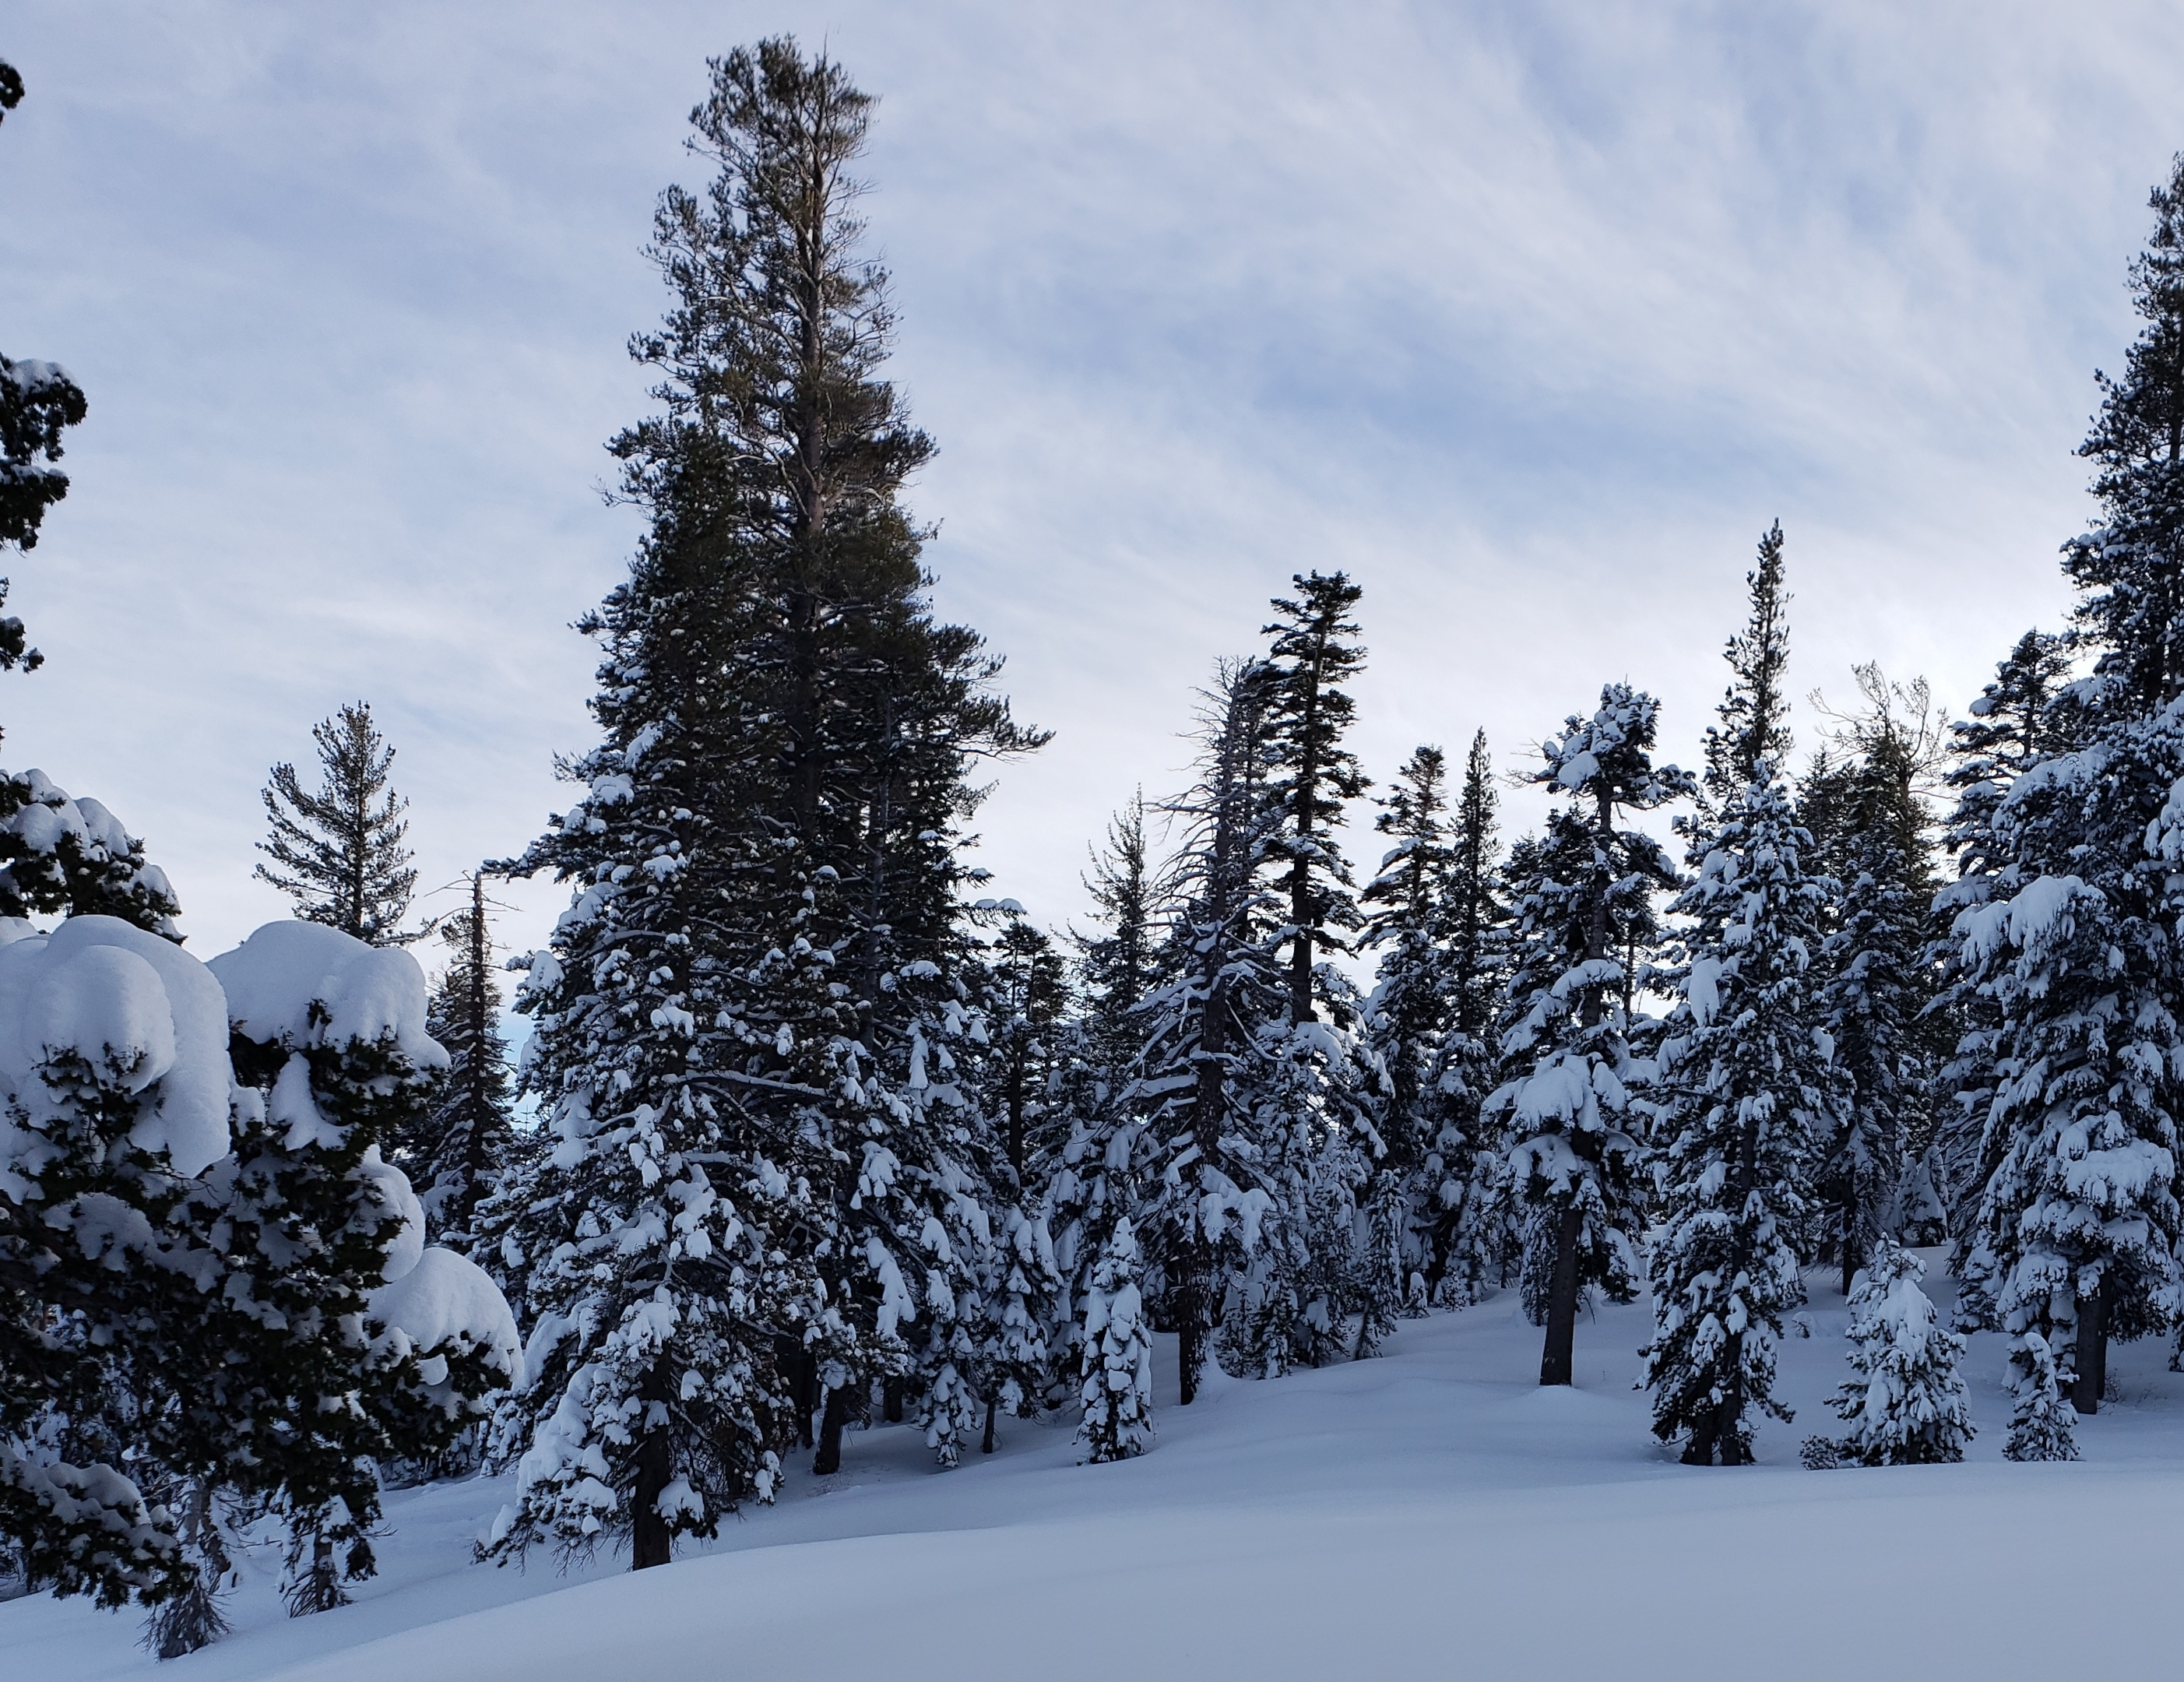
365, 994
110, 991
446, 1301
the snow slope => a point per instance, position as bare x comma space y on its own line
1433, 1509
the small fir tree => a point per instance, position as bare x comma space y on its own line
1905, 1405
1118, 1356
338, 852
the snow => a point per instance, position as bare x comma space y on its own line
97, 983
441, 1300
1390, 1517
364, 992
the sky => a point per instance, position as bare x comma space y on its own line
1529, 316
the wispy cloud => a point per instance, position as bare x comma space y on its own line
1531, 316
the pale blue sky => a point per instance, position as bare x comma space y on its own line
1531, 316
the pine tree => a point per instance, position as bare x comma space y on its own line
1905, 1406
1746, 1087
1118, 1356
1026, 1005
1311, 773
338, 853
1206, 1198
2078, 965
1472, 1236
1406, 1018
769, 959
1755, 709
2013, 724
1566, 1057
1881, 983
38, 402
59, 854
468, 1130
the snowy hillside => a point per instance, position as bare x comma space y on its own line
1433, 1511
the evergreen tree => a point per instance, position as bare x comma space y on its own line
2075, 958
1905, 1406
1880, 985
1208, 1185
1755, 709
1118, 1356
769, 958
1027, 1002
2013, 725
1746, 1087
1093, 1183
468, 1130
1472, 1236
1566, 1057
338, 853
1407, 1015
38, 402
1311, 773
72, 857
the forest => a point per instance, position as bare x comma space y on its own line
795, 1129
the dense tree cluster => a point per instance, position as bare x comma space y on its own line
808, 1127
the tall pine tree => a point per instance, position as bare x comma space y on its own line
338, 852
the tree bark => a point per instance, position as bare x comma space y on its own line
993, 1406
651, 1542
2092, 1352
1555, 1361
828, 1460
1190, 1329
1850, 1258
891, 1400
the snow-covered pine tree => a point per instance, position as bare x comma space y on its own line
1755, 709
1093, 1183
2013, 724
1575, 1156
1406, 1018
64, 857
338, 853
1338, 1248
1026, 1002
1905, 1406
1472, 1237
1206, 1181
1872, 825
335, 1313
468, 1127
2078, 1221
1118, 1356
1746, 1087
768, 957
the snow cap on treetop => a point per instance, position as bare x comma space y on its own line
363, 994
111, 992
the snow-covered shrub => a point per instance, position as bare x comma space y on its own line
1118, 1356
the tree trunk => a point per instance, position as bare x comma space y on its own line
992, 1407
651, 1542
2092, 1352
1190, 1329
891, 1400
1561, 1302
1850, 1258
325, 1586
828, 1460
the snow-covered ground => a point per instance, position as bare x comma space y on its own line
1433, 1514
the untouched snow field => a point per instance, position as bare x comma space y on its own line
1433, 1510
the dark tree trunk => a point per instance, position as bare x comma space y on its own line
651, 1542
1852, 1260
1562, 1303
2092, 1352
891, 1400
1190, 1329
828, 1460
992, 1406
